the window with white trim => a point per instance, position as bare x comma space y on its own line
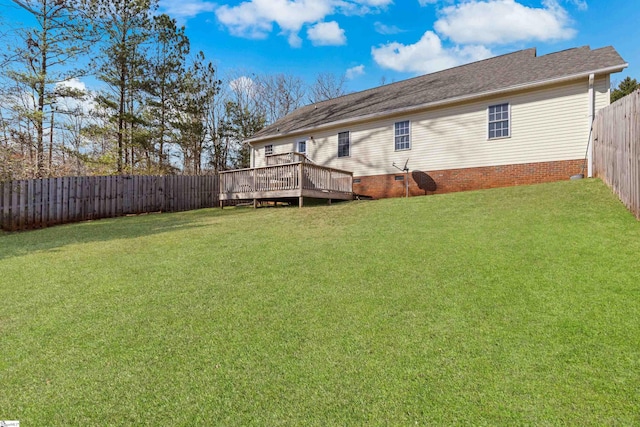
402, 135
499, 121
302, 146
268, 150
344, 144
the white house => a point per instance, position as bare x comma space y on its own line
513, 119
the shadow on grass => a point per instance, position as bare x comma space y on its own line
14, 244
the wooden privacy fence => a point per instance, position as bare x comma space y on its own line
616, 146
36, 203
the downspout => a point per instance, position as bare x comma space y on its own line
592, 112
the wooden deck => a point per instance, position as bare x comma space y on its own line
285, 182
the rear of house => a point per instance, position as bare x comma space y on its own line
510, 120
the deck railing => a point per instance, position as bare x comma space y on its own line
276, 178
284, 158
320, 178
286, 181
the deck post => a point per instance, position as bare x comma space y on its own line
300, 184
221, 185
254, 189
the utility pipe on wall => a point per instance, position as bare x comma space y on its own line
592, 112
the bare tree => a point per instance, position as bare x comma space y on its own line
244, 114
280, 94
327, 86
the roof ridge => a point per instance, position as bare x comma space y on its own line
410, 79
585, 47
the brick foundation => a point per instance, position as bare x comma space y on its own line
447, 181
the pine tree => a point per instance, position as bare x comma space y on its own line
39, 61
126, 26
165, 67
625, 87
197, 89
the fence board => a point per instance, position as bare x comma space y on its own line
71, 199
23, 211
95, 197
37, 188
87, 197
15, 199
5, 201
81, 195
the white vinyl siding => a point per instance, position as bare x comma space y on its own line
548, 124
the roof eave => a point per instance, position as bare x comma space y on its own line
463, 98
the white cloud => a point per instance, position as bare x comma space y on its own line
294, 40
354, 72
503, 22
361, 7
580, 4
255, 18
245, 20
474, 25
326, 34
68, 103
73, 83
426, 56
243, 85
184, 9
374, 3
384, 29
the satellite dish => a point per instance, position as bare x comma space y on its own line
405, 169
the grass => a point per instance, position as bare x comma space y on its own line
513, 306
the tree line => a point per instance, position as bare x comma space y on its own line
160, 109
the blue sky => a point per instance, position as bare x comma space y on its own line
372, 41
376, 40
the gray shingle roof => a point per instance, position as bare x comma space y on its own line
513, 70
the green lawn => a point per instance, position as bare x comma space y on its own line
513, 306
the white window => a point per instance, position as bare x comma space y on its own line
302, 146
499, 121
268, 150
344, 144
402, 135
